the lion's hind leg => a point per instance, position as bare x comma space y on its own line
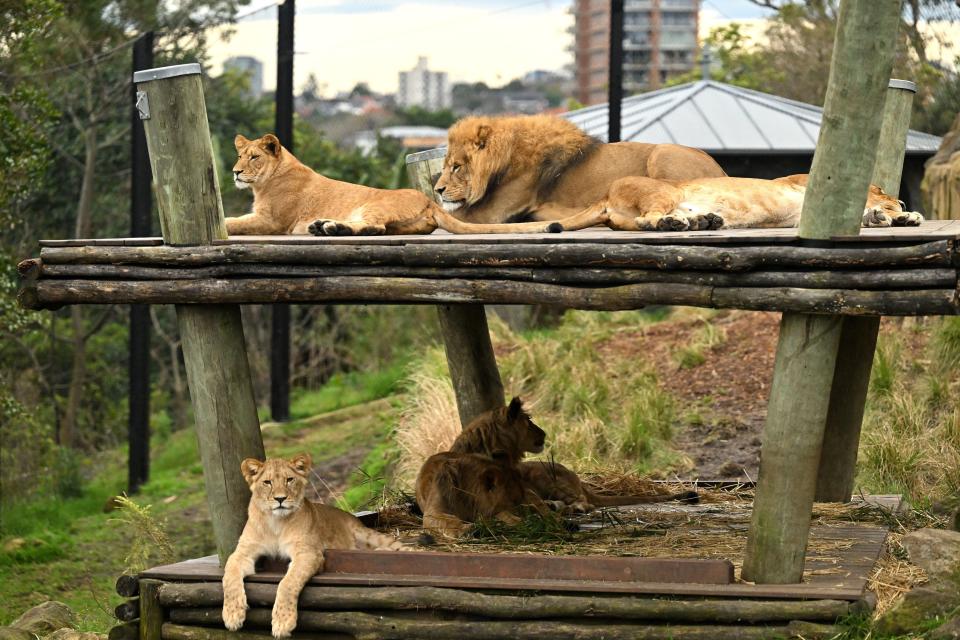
444, 524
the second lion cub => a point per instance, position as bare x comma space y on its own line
281, 522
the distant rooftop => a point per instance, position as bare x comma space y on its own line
722, 119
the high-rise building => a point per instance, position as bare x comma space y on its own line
421, 87
251, 66
659, 42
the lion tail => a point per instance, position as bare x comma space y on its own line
687, 497
591, 216
451, 224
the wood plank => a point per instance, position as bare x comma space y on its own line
929, 230
849, 583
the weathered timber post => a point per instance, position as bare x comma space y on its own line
808, 346
466, 336
858, 335
171, 102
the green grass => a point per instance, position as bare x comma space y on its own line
69, 550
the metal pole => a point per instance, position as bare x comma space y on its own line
138, 426
615, 83
280, 326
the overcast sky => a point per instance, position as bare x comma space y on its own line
344, 42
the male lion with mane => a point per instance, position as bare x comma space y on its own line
516, 168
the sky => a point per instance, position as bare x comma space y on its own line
343, 42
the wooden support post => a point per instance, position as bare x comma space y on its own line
151, 611
858, 335
188, 196
807, 351
466, 336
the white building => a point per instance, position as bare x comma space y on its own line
421, 87
252, 67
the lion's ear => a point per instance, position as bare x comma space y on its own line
240, 142
515, 409
271, 144
301, 463
483, 136
250, 468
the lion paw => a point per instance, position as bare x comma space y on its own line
234, 612
714, 221
555, 505
907, 219
671, 222
875, 217
581, 507
324, 227
284, 618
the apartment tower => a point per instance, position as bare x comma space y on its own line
659, 42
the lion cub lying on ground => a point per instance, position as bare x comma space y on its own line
478, 478
644, 204
282, 522
291, 198
484, 476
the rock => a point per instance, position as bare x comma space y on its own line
12, 633
937, 552
73, 634
914, 612
46, 618
949, 630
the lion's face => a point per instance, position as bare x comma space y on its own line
256, 160
504, 434
475, 158
277, 485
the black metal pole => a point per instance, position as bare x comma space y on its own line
615, 78
280, 326
138, 428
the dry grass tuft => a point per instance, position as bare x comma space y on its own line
429, 424
601, 410
893, 575
911, 432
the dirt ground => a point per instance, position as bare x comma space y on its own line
722, 401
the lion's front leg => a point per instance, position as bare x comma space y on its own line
251, 224
304, 563
239, 565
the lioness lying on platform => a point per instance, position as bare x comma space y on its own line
643, 204
282, 522
291, 198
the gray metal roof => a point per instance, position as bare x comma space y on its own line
722, 119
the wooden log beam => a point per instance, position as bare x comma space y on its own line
938, 253
363, 290
858, 338
214, 350
717, 611
875, 279
125, 631
807, 351
466, 336
127, 586
127, 610
368, 626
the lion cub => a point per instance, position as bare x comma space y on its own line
282, 522
478, 478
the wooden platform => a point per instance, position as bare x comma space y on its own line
839, 575
895, 271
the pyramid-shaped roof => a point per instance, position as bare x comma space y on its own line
722, 119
